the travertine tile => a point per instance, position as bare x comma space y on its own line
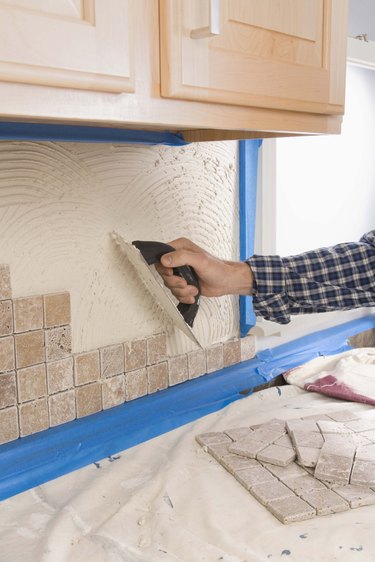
178, 369
332, 427
250, 477
232, 463
343, 416
60, 375
28, 314
307, 439
271, 491
7, 354
6, 318
58, 343
8, 390
62, 407
212, 438
30, 348
231, 353
267, 435
325, 501
31, 382
136, 384
196, 363
356, 496
365, 453
285, 473
88, 399
340, 447
370, 435
274, 454
33, 417
274, 424
214, 358
247, 447
247, 347
304, 483
284, 441
56, 310
363, 473
302, 425
358, 426
5, 286
218, 450
333, 468
157, 376
238, 433
86, 367
113, 391
8, 425
135, 355
112, 360
290, 510
308, 456
156, 349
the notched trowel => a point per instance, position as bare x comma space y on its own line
143, 254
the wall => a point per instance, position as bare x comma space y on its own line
362, 18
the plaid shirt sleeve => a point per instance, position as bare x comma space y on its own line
340, 277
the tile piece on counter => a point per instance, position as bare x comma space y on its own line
291, 510
113, 391
29, 348
88, 399
56, 310
178, 369
7, 362
112, 360
238, 433
58, 343
136, 384
325, 501
196, 363
274, 454
6, 318
8, 390
60, 375
135, 355
5, 285
363, 473
28, 314
31, 382
9, 430
250, 477
247, 347
212, 438
272, 490
156, 349
231, 353
62, 407
86, 367
356, 496
157, 376
214, 357
33, 417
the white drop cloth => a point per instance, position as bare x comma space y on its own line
166, 501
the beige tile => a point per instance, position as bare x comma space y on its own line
29, 348
7, 354
247, 347
112, 360
60, 375
156, 349
86, 367
157, 376
58, 343
231, 353
31, 383
135, 355
5, 286
88, 399
56, 310
8, 425
28, 314
214, 357
178, 369
6, 318
8, 390
113, 391
62, 407
136, 384
33, 417
197, 363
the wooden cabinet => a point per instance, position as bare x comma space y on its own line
274, 68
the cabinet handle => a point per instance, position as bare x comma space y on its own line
214, 25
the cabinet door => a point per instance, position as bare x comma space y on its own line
287, 54
83, 44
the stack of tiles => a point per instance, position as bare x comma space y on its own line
303, 467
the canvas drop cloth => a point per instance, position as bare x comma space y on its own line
167, 500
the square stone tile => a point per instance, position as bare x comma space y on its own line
343, 416
28, 314
62, 407
218, 450
267, 435
112, 360
88, 399
56, 310
325, 501
8, 390
135, 355
363, 473
5, 285
6, 318
238, 433
157, 376
250, 477
332, 427
271, 491
247, 447
31, 382
30, 349
290, 510
274, 454
308, 456
370, 435
58, 343
86, 367
156, 349
7, 354
356, 496
333, 468
285, 473
60, 375
212, 438
339, 446
360, 425
113, 391
178, 369
33, 417
284, 441
136, 384
365, 453
247, 347
214, 358
8, 425
302, 425
196, 363
307, 439
231, 352
304, 483
232, 463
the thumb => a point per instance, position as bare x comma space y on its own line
179, 258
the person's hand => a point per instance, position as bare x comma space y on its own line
216, 277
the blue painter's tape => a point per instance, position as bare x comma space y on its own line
78, 133
248, 173
35, 459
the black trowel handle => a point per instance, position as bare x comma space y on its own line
152, 252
